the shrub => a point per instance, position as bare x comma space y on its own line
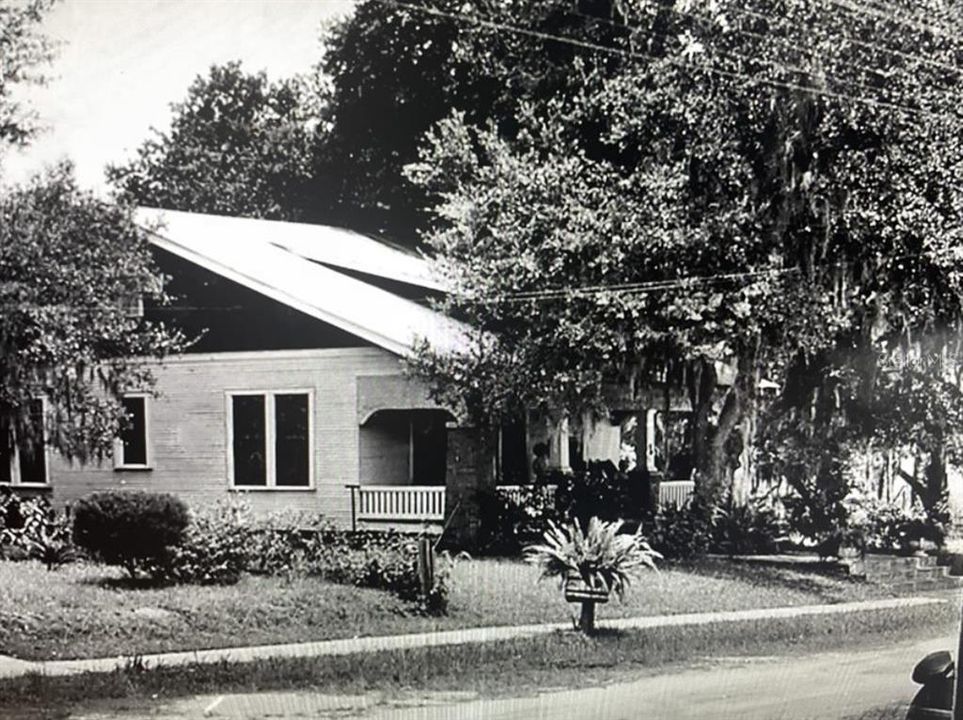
511, 523
11, 516
302, 544
880, 526
602, 491
135, 530
599, 490
681, 533
286, 542
750, 529
34, 529
381, 560
217, 547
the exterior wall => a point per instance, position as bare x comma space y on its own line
188, 428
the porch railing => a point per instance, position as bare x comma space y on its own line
676, 492
518, 493
425, 503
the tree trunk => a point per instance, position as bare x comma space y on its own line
935, 474
711, 461
586, 621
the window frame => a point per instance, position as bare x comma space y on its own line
15, 478
270, 440
148, 463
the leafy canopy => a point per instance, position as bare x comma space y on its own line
238, 145
22, 49
757, 185
69, 267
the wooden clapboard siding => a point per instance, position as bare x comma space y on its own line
188, 422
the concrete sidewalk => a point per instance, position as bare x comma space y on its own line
13, 667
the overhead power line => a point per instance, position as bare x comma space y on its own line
857, 42
890, 16
692, 282
760, 60
636, 55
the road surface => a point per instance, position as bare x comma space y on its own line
824, 686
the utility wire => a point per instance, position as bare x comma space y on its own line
635, 55
768, 19
693, 282
778, 65
890, 16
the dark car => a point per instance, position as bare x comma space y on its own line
934, 700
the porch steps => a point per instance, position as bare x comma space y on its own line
914, 573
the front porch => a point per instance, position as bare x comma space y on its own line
417, 462
415, 506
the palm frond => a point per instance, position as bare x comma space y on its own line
601, 555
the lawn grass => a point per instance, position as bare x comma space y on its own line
516, 667
85, 610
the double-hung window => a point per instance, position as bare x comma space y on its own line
24, 461
269, 439
132, 448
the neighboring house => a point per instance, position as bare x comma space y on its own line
294, 392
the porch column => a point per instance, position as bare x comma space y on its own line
558, 446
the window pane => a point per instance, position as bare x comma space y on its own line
33, 460
249, 440
291, 440
134, 437
6, 462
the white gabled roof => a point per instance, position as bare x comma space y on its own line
246, 252
324, 244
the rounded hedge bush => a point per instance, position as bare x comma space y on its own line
136, 530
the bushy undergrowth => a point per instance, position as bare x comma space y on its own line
756, 527
227, 540
33, 529
217, 547
877, 525
681, 533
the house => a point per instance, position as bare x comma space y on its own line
294, 392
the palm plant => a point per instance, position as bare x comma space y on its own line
599, 558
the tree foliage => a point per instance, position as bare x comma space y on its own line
238, 145
759, 186
69, 267
22, 50
390, 72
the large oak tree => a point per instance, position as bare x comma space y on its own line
772, 186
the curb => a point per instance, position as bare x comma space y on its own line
13, 667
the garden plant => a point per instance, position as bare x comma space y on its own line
591, 563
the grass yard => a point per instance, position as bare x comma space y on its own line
87, 611
513, 667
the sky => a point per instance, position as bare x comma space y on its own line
123, 62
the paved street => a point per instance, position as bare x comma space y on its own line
828, 685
